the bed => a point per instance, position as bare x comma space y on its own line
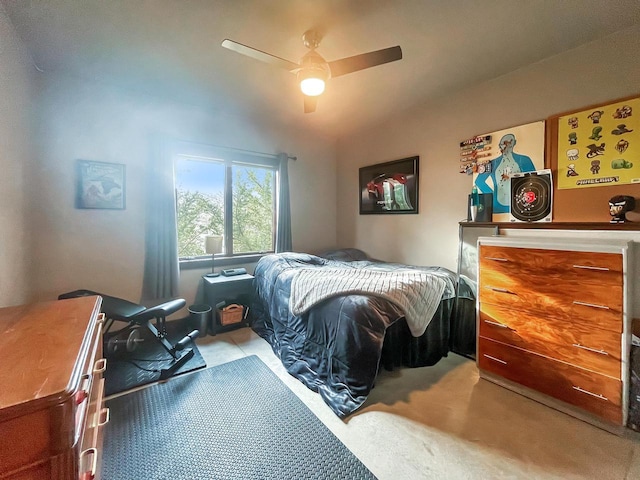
332, 330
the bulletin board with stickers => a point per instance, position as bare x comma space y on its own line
600, 146
595, 146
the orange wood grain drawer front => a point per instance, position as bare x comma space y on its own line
599, 305
590, 391
42, 408
568, 266
577, 343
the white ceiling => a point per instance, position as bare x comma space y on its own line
171, 48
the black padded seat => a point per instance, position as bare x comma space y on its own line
113, 307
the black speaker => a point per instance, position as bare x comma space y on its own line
485, 207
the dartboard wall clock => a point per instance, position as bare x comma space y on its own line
531, 197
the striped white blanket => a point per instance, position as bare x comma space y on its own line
417, 293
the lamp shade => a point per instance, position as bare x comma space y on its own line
213, 244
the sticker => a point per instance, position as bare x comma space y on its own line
595, 133
595, 167
573, 154
595, 116
480, 139
573, 138
619, 163
622, 112
622, 128
573, 122
571, 170
595, 150
622, 146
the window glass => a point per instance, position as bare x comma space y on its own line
200, 203
201, 190
253, 207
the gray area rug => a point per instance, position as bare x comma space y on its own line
232, 421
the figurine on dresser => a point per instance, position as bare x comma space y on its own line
619, 206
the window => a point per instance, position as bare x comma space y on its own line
223, 195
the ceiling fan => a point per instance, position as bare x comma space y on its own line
312, 70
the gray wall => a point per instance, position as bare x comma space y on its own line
596, 72
104, 249
16, 161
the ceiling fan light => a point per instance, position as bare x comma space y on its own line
312, 79
312, 87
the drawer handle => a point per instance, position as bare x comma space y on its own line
495, 359
499, 325
101, 317
597, 395
82, 394
589, 267
91, 473
100, 366
497, 259
601, 352
592, 305
107, 417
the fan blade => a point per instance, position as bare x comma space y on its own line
365, 60
310, 104
259, 55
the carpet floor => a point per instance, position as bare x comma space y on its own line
233, 421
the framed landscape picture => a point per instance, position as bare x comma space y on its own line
390, 187
101, 185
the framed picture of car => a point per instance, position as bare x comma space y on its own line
390, 187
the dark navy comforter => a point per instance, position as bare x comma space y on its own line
335, 347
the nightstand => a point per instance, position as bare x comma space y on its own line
235, 289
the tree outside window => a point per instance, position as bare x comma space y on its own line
201, 188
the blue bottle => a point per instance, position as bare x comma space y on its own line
475, 199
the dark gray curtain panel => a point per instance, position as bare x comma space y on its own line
161, 270
283, 229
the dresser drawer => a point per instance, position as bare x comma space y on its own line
590, 391
567, 266
574, 342
600, 306
97, 416
94, 366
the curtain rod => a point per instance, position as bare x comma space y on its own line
232, 149
290, 157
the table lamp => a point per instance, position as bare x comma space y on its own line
213, 245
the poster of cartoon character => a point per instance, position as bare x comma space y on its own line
513, 150
600, 146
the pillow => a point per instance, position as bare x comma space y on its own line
345, 255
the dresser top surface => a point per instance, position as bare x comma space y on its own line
41, 346
558, 243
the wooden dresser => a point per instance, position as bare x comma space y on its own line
51, 390
554, 323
